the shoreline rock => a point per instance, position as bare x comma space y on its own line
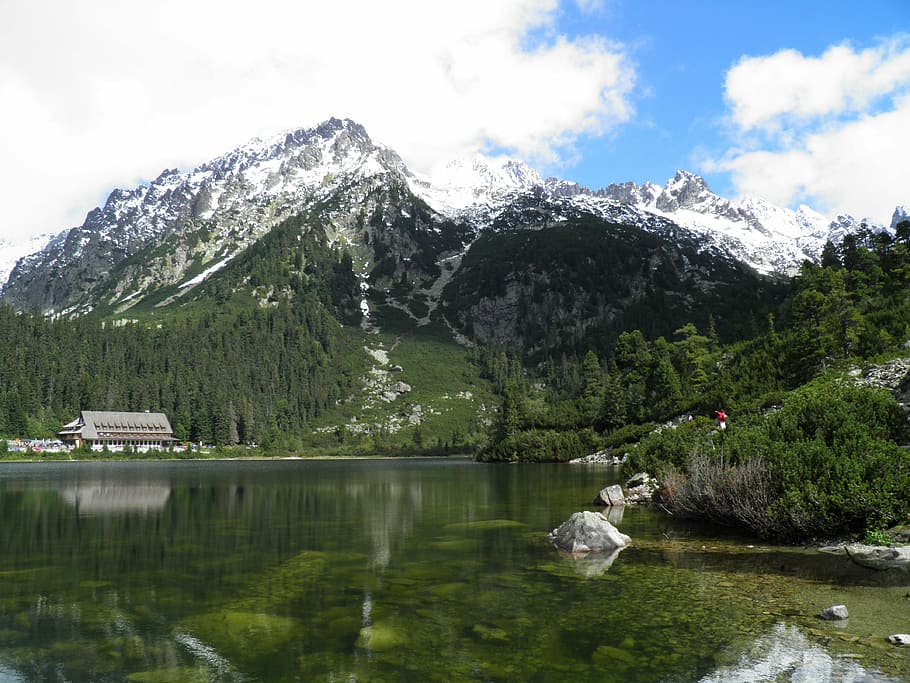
873, 556
605, 457
638, 490
610, 496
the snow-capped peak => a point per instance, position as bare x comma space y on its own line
901, 213
477, 179
11, 252
221, 207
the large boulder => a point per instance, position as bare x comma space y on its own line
400, 387
588, 532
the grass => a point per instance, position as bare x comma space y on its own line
446, 392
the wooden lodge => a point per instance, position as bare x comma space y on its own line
116, 431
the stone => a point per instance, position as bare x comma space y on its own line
605, 457
400, 388
640, 488
639, 479
899, 639
873, 556
835, 613
588, 532
610, 495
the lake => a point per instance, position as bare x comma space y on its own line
404, 570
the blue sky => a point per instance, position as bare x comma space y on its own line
682, 52
795, 102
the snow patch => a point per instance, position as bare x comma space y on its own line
205, 273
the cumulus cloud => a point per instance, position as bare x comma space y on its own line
764, 91
826, 130
107, 93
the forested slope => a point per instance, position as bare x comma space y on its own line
807, 451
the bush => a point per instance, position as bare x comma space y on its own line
627, 434
835, 452
669, 450
739, 495
826, 464
877, 537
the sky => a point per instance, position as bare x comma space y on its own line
802, 102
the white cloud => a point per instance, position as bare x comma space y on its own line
765, 92
829, 130
104, 93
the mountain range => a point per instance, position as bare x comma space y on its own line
152, 245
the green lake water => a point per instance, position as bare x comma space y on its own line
404, 570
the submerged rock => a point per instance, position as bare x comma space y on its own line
588, 532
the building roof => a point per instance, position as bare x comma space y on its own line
94, 424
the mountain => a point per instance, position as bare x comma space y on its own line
153, 245
11, 252
184, 226
311, 286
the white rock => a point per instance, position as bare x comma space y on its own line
835, 613
587, 532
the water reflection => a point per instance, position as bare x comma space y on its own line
786, 653
419, 570
614, 514
105, 497
592, 564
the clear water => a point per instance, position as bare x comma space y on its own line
404, 570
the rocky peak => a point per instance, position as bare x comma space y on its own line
627, 193
901, 213
556, 187
686, 191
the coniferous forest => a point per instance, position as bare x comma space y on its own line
808, 452
260, 354
226, 370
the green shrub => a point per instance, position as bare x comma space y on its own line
667, 450
830, 465
876, 537
627, 434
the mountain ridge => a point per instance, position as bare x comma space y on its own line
186, 225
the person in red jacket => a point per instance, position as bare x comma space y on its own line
721, 419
